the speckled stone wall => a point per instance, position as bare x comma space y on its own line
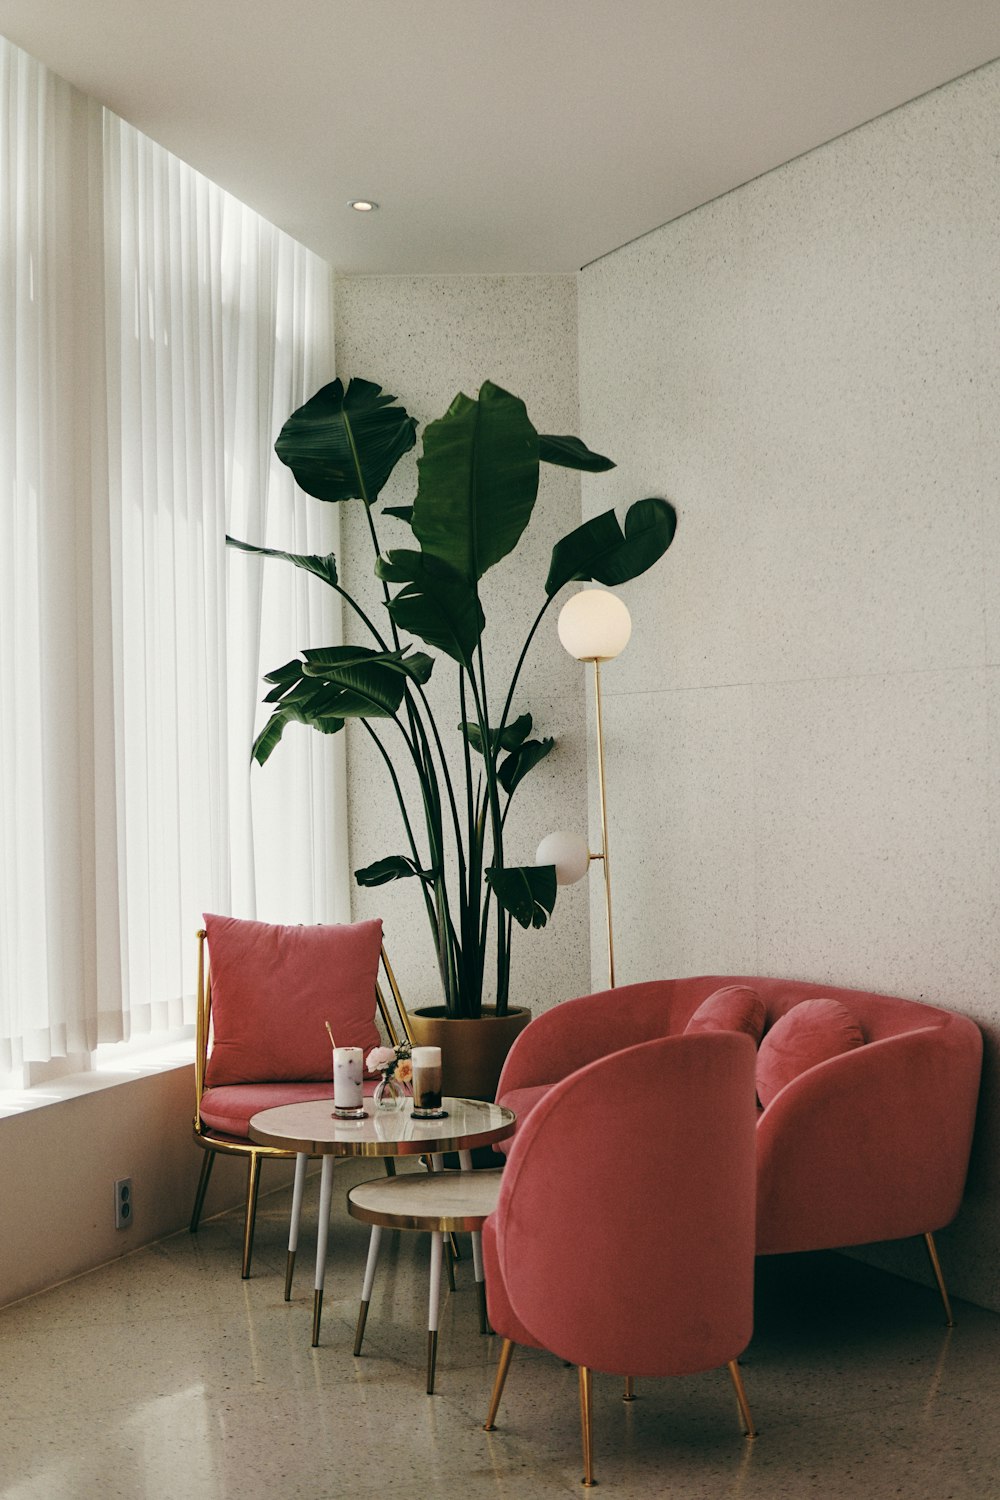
804, 735
424, 339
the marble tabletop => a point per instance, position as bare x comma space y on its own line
313, 1128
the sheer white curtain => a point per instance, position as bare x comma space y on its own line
49, 143
217, 327
154, 335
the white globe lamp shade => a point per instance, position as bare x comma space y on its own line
568, 852
594, 625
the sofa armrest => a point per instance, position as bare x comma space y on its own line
578, 1032
871, 1145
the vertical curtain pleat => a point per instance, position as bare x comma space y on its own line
154, 335
46, 979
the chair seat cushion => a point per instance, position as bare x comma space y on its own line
522, 1102
228, 1108
810, 1033
735, 1007
275, 987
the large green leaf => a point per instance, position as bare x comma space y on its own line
600, 551
509, 738
323, 567
571, 453
393, 867
521, 761
337, 683
528, 892
344, 446
437, 604
478, 481
324, 660
269, 736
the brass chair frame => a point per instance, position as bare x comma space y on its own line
211, 1142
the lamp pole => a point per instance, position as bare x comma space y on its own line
594, 626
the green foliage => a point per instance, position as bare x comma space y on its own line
477, 485
601, 552
344, 446
393, 867
570, 453
478, 481
527, 892
437, 603
322, 567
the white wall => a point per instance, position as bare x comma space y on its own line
425, 339
803, 735
59, 1163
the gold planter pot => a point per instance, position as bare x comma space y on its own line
472, 1051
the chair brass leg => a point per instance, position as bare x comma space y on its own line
253, 1184
199, 1197
506, 1350
456, 1252
289, 1273
939, 1278
587, 1425
629, 1388
359, 1332
317, 1316
741, 1398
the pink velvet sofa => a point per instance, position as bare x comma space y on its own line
869, 1145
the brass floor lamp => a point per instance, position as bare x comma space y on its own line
594, 626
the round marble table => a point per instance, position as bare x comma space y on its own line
312, 1129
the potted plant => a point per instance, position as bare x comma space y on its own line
478, 479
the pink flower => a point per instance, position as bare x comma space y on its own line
380, 1058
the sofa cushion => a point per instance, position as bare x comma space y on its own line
735, 1007
227, 1110
811, 1032
273, 989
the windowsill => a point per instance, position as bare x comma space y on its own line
105, 1075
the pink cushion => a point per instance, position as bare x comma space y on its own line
227, 1110
736, 1007
811, 1032
273, 988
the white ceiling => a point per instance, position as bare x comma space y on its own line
497, 135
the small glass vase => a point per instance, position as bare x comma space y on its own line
389, 1093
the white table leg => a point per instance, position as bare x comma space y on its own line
465, 1162
433, 1307
301, 1163
322, 1235
366, 1291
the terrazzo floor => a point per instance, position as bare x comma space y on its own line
164, 1375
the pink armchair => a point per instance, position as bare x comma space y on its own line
651, 1147
869, 1145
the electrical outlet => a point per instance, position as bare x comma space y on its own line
123, 1202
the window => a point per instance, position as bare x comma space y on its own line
154, 334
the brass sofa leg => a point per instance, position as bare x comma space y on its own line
741, 1398
506, 1350
587, 1425
939, 1278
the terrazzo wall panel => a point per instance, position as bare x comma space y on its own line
804, 734
425, 339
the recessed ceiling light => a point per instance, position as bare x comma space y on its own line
364, 205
